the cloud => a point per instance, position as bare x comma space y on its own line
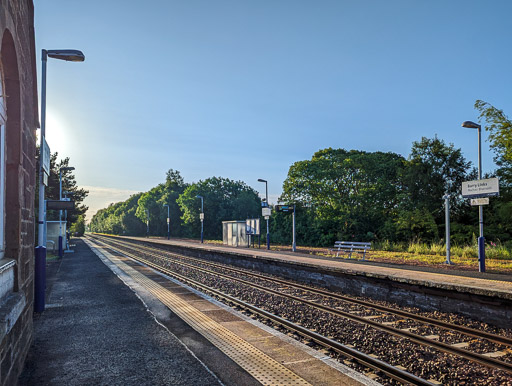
100, 197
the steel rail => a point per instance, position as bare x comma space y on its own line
435, 322
487, 361
366, 360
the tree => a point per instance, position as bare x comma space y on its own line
433, 168
352, 193
499, 127
52, 191
119, 219
78, 228
224, 200
154, 200
499, 211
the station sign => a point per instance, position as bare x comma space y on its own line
60, 204
45, 156
252, 226
285, 208
480, 201
45, 161
481, 188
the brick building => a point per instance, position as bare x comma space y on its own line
18, 122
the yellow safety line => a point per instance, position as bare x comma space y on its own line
263, 368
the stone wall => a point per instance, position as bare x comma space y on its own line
18, 76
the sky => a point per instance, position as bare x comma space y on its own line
243, 89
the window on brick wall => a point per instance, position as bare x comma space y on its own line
2, 167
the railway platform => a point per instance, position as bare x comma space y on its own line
483, 296
109, 320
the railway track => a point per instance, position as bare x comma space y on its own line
378, 317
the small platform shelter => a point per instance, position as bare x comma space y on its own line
234, 233
52, 234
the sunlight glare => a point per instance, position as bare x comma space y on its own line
57, 133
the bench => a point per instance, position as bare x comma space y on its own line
351, 246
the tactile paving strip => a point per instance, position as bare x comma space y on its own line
263, 368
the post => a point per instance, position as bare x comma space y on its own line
61, 252
481, 240
40, 252
202, 221
447, 223
294, 246
147, 223
168, 223
201, 216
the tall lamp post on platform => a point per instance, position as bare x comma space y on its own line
61, 249
201, 216
147, 223
266, 205
65, 197
168, 223
481, 240
446, 198
40, 251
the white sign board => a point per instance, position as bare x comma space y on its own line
266, 212
252, 226
46, 157
481, 188
201, 216
480, 201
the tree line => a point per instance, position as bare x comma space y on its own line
224, 199
339, 195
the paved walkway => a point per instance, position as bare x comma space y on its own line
472, 282
96, 331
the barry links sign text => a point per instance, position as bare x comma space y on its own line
481, 188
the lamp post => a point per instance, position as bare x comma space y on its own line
147, 223
294, 243
266, 204
201, 216
40, 251
61, 249
65, 195
168, 223
481, 240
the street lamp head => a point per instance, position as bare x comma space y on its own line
198, 196
471, 125
68, 55
261, 180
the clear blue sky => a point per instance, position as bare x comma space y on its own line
242, 89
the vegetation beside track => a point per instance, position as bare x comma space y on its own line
498, 258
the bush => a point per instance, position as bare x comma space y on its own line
78, 228
497, 251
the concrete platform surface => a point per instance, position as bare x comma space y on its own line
485, 284
96, 331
